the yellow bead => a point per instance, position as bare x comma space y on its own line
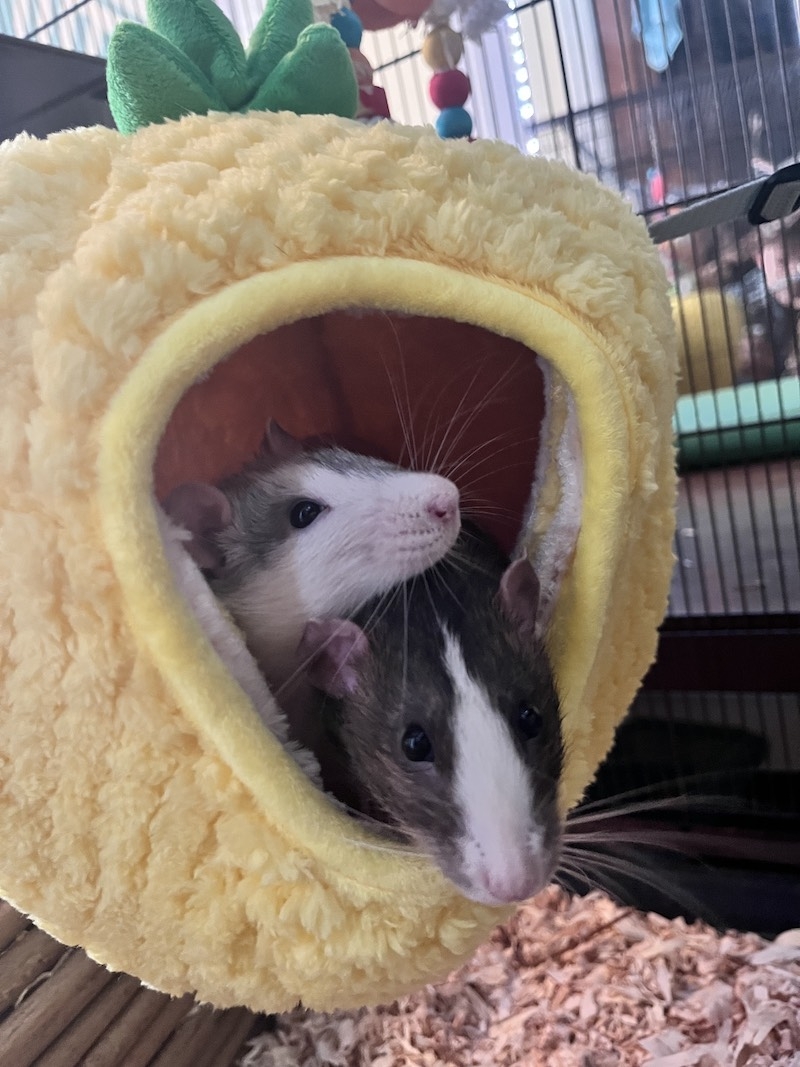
442, 48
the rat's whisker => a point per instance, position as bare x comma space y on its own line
682, 803
477, 454
383, 605
658, 839
448, 387
446, 445
468, 486
442, 460
438, 576
405, 417
639, 870
454, 433
604, 803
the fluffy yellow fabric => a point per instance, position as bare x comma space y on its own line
144, 812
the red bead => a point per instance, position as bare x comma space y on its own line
449, 88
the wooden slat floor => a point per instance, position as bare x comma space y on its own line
60, 1009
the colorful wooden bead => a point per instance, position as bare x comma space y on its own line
442, 48
454, 122
449, 88
347, 22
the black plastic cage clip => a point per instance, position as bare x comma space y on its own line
778, 196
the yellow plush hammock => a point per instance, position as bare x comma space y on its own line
162, 295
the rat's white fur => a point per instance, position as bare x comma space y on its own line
375, 532
502, 850
227, 640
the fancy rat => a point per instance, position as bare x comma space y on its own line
442, 703
308, 533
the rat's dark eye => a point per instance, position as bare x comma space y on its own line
303, 513
529, 721
417, 745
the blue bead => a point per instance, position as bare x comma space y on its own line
347, 22
454, 122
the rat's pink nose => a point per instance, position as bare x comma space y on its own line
513, 885
443, 505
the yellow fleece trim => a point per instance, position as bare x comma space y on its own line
191, 345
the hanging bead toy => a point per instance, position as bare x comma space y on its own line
449, 87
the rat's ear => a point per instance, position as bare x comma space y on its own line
519, 595
333, 650
279, 443
202, 510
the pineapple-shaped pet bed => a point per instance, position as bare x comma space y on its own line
230, 257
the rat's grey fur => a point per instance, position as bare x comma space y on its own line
403, 680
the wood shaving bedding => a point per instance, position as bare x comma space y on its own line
575, 982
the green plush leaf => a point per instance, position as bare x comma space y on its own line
205, 36
149, 80
316, 78
276, 34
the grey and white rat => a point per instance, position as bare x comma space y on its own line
307, 533
442, 701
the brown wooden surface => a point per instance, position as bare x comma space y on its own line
231, 1045
49, 1009
149, 1042
32, 954
79, 1036
190, 1041
228, 1038
60, 1009
12, 923
127, 1029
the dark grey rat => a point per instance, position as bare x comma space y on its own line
443, 705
